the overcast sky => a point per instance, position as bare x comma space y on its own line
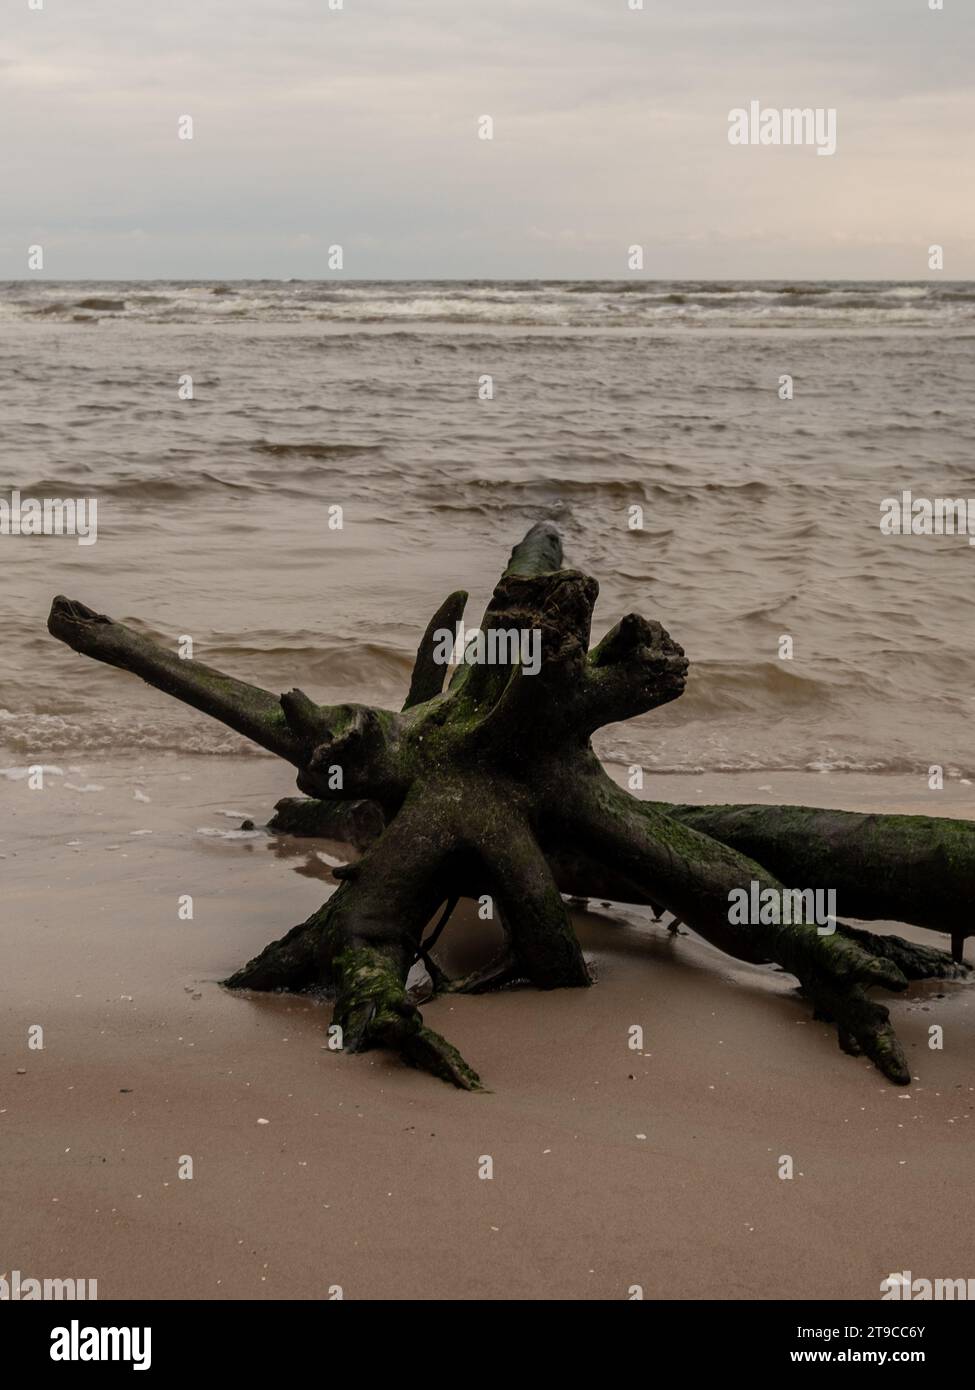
359, 127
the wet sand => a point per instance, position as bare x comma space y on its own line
612, 1167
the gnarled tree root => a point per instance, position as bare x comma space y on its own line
490, 787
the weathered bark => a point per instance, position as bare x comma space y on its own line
491, 786
428, 675
246, 708
355, 823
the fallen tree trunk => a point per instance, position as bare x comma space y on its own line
916, 869
491, 785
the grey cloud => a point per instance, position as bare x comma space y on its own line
358, 126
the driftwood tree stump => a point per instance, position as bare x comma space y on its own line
492, 787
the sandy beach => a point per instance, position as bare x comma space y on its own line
612, 1168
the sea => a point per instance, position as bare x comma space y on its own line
295, 474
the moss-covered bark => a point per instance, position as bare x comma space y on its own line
490, 786
917, 869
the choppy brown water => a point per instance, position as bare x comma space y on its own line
761, 515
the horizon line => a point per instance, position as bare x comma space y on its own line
480, 279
